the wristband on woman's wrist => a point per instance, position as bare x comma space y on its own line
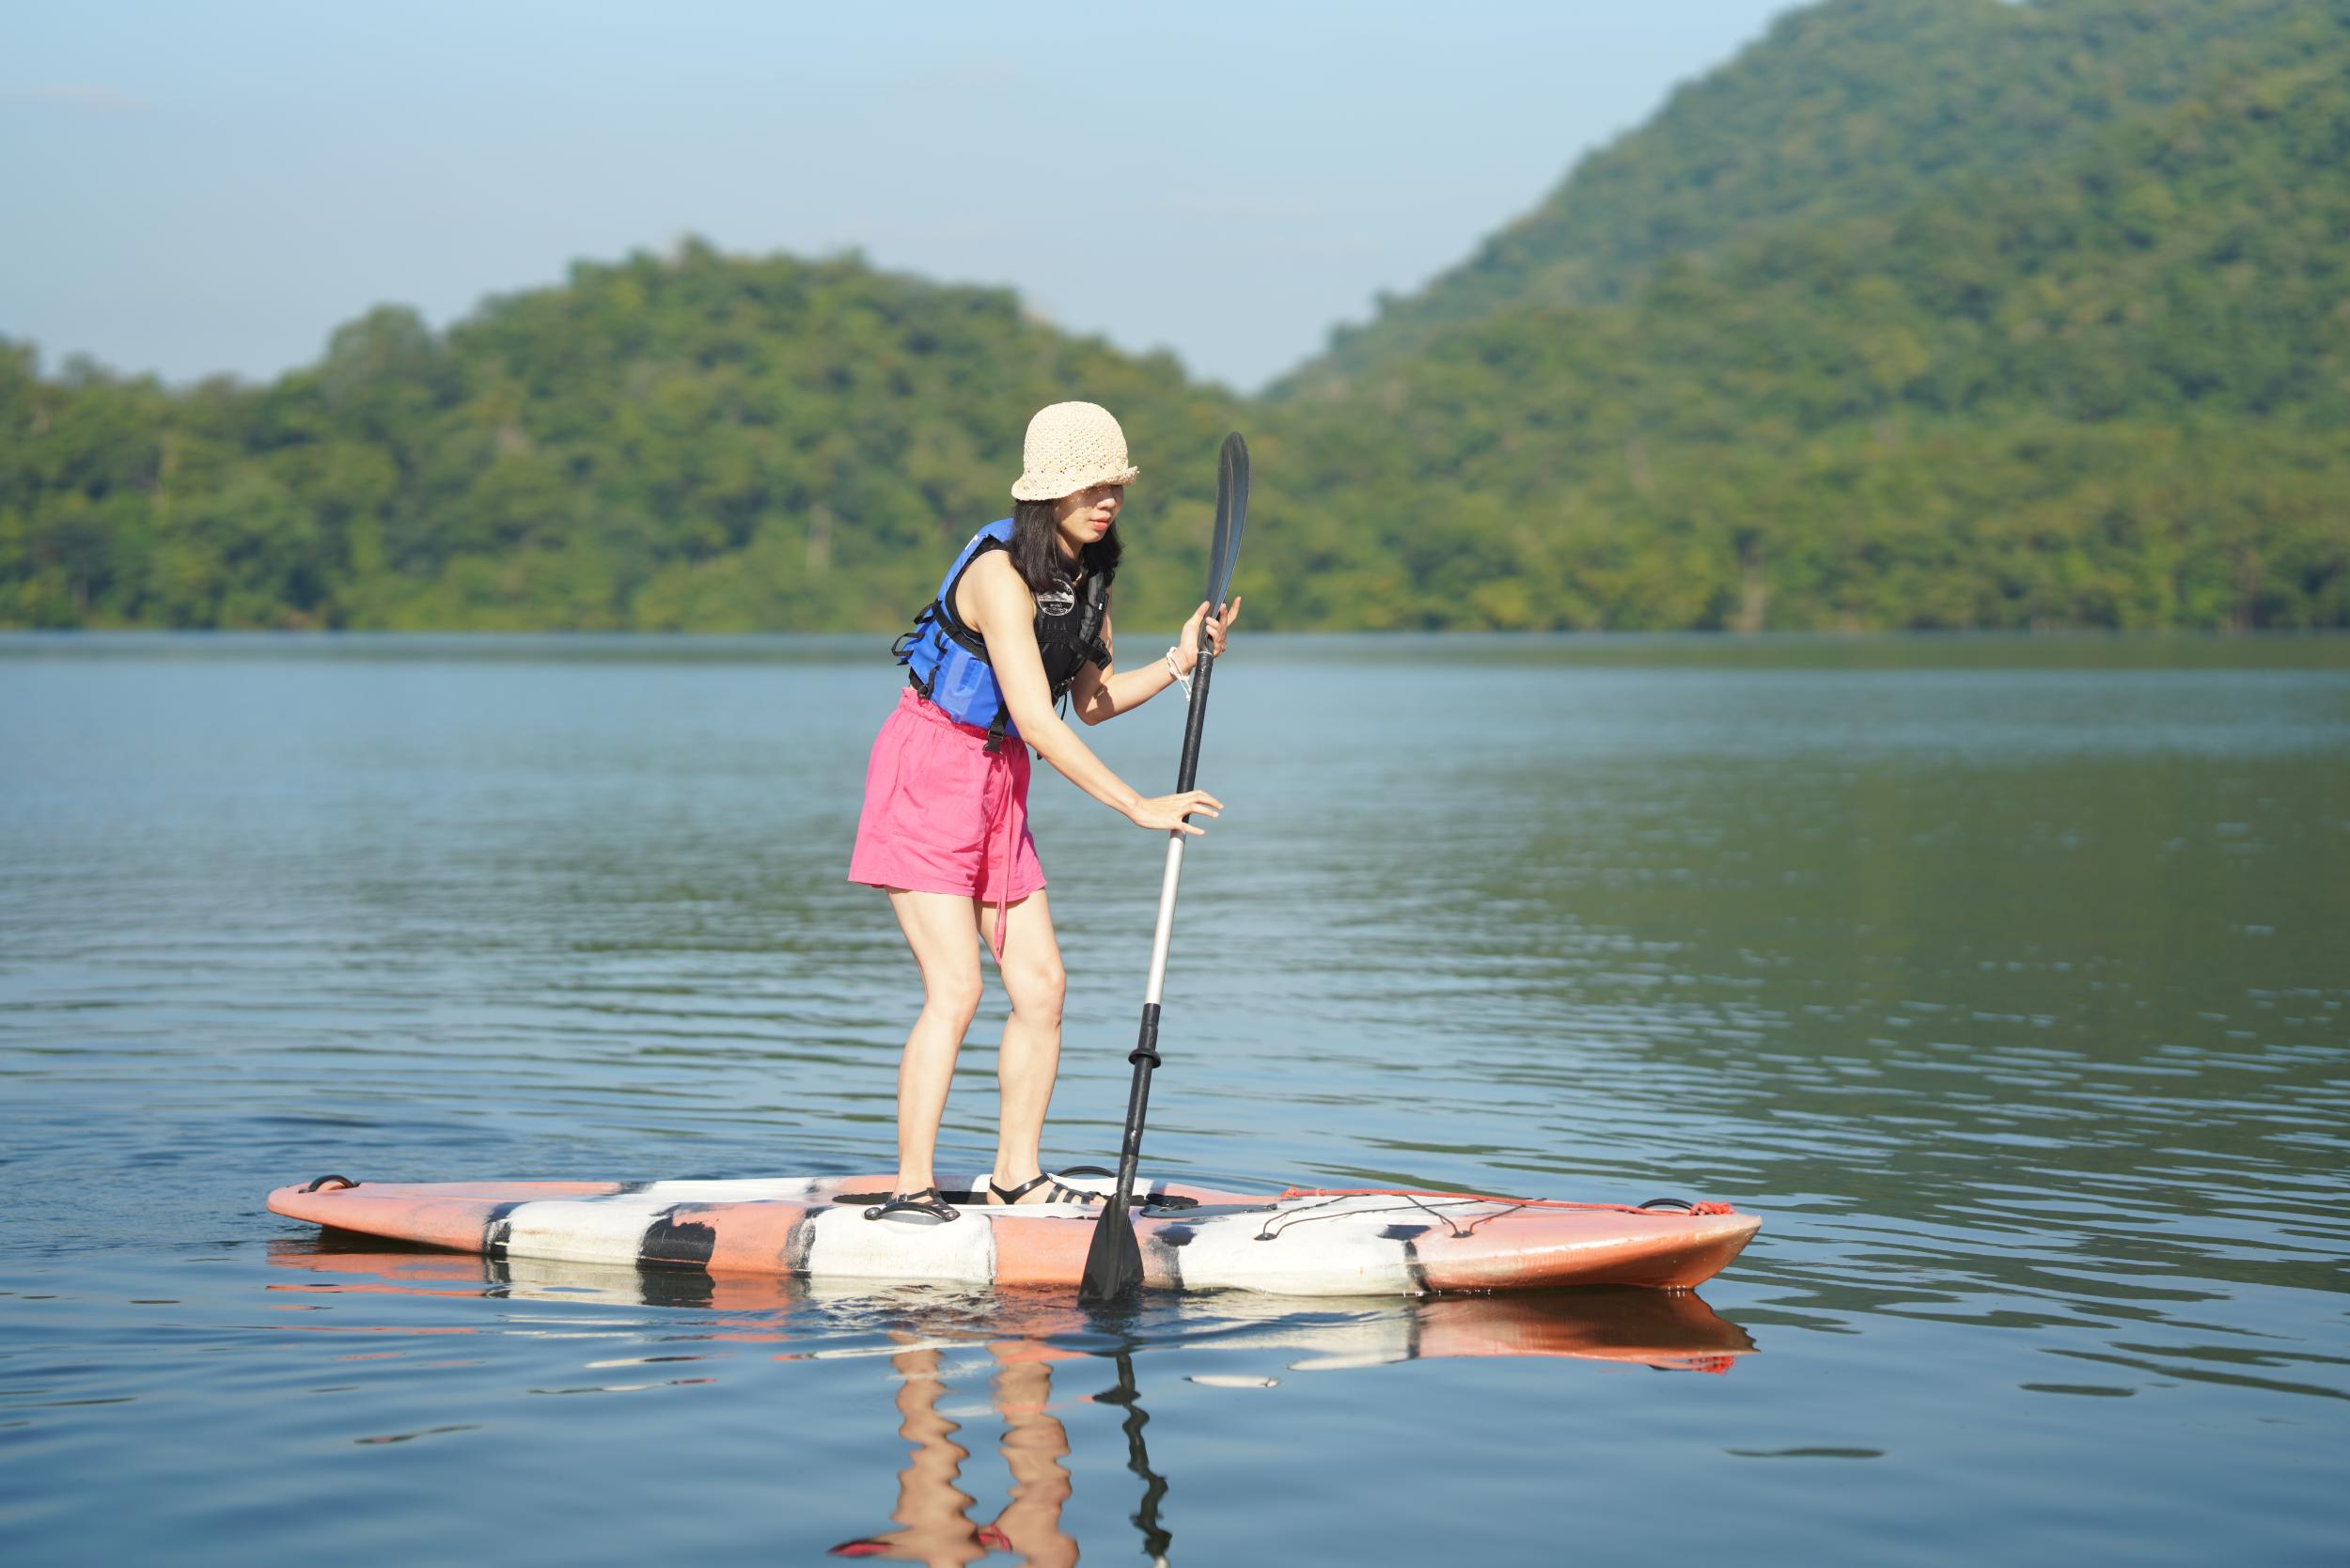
1176, 670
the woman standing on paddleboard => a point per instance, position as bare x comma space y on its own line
1021, 619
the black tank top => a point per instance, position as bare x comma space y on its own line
1069, 620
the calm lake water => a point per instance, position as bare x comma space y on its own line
2005, 979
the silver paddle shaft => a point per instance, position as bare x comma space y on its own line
1164, 937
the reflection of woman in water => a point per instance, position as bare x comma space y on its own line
933, 1513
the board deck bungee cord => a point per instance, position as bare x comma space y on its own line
1302, 1241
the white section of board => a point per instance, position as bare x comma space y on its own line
844, 1245
583, 1231
1334, 1256
793, 1189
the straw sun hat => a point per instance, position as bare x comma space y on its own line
1071, 446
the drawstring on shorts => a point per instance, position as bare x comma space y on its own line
1001, 883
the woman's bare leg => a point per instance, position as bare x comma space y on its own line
1030, 1056
938, 929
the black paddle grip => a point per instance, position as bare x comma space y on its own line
1195, 723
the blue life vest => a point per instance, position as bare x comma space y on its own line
947, 661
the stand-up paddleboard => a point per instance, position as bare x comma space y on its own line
1304, 1241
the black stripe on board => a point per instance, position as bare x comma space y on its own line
801, 1240
1414, 1269
1418, 1272
497, 1229
1163, 1245
670, 1242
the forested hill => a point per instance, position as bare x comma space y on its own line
1850, 108
696, 441
1952, 352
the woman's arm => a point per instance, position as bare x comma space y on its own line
997, 604
1105, 693
1101, 692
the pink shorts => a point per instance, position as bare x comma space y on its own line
943, 815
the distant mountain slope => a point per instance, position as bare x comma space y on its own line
2107, 388
1852, 108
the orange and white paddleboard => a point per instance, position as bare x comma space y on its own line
1302, 1241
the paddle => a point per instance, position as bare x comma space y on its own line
1114, 1260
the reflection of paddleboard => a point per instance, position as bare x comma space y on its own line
1670, 1329
1302, 1243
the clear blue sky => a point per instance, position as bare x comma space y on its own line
192, 188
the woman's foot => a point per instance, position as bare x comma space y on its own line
1043, 1187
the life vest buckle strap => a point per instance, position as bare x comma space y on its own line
947, 661
904, 647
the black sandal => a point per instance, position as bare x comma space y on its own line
1009, 1197
925, 1207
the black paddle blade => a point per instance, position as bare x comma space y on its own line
1114, 1262
1231, 511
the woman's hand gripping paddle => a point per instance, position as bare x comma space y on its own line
1114, 1262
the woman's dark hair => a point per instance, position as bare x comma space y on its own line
1036, 549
